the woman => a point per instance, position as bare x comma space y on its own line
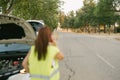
42, 60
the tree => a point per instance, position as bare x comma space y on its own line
104, 13
46, 10
8, 5
68, 21
85, 14
61, 18
71, 19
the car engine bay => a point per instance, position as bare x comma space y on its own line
10, 64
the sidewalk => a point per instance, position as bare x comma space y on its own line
104, 35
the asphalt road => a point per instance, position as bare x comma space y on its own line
89, 57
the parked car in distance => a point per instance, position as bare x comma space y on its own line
36, 24
16, 38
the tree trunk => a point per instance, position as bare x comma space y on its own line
104, 29
115, 29
109, 28
88, 29
95, 29
99, 29
67, 29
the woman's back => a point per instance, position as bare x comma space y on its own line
44, 67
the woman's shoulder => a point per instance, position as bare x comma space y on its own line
51, 46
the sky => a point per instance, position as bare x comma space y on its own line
70, 5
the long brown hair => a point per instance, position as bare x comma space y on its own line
42, 41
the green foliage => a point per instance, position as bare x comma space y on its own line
86, 14
94, 14
40, 9
82, 17
104, 12
46, 10
68, 21
91, 14
65, 23
8, 5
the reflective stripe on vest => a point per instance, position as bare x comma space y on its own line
43, 76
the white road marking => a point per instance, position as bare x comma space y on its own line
104, 60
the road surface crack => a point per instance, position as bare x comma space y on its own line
72, 72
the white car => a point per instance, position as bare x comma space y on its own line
36, 24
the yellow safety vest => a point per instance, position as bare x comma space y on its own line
44, 69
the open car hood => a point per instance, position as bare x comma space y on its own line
15, 30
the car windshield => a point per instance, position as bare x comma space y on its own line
36, 25
13, 47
